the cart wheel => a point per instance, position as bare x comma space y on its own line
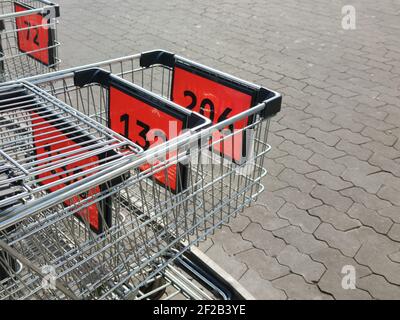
157, 283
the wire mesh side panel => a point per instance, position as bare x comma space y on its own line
45, 146
147, 228
148, 225
28, 32
148, 220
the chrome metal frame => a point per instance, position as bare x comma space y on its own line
14, 63
152, 226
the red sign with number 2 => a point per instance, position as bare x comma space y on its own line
33, 37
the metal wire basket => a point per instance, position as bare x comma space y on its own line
28, 34
166, 199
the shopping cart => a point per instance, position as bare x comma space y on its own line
28, 38
164, 200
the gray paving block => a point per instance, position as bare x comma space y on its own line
297, 289
263, 239
340, 220
370, 218
332, 198
260, 288
301, 264
304, 242
268, 220
299, 217
379, 287
267, 267
347, 242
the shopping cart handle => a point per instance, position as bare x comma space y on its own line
107, 79
272, 100
52, 4
89, 76
162, 57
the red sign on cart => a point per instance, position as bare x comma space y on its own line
217, 99
50, 140
147, 126
35, 37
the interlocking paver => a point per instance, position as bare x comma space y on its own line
292, 135
370, 218
272, 204
347, 242
370, 182
375, 253
267, 219
340, 220
325, 150
294, 124
230, 241
301, 264
267, 267
231, 265
274, 183
260, 288
300, 166
332, 198
395, 257
301, 199
348, 123
394, 232
392, 212
297, 180
239, 223
350, 136
369, 200
338, 127
354, 149
326, 179
381, 150
299, 217
390, 194
295, 150
351, 162
326, 164
321, 136
296, 288
331, 281
322, 124
263, 239
386, 139
379, 287
274, 168
206, 245
304, 242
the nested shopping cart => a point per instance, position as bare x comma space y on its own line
204, 139
28, 38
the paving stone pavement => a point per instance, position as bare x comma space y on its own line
333, 187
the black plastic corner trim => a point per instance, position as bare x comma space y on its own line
194, 121
57, 11
89, 76
57, 8
272, 107
150, 58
